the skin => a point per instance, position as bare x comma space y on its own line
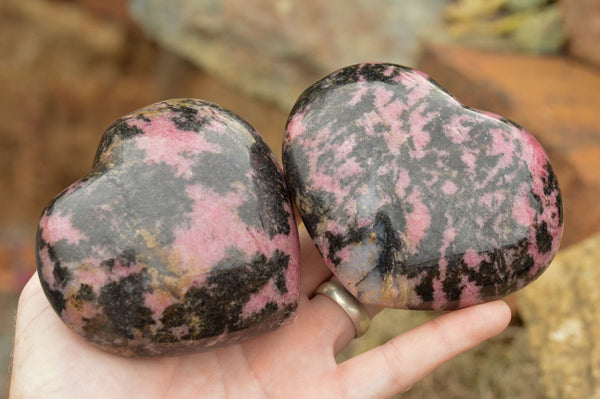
295, 361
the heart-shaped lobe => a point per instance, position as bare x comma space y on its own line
181, 238
413, 200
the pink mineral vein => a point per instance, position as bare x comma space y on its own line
58, 227
167, 144
417, 221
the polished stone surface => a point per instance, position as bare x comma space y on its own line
181, 238
413, 200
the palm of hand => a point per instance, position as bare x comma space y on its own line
296, 361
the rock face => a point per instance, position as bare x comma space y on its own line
275, 49
413, 200
181, 238
562, 318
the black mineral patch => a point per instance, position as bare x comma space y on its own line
543, 238
187, 118
272, 195
85, 293
216, 307
120, 129
390, 244
123, 303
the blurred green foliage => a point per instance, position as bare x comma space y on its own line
531, 26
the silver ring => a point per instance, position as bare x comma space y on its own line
353, 308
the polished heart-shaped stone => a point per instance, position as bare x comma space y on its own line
414, 200
182, 237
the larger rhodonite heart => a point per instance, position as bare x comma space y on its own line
413, 200
180, 239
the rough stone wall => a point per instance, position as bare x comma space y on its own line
275, 49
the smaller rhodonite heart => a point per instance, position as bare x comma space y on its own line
414, 200
182, 237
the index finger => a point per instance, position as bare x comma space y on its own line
314, 269
397, 365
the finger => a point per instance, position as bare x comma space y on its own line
339, 324
314, 269
335, 322
344, 339
33, 314
32, 302
319, 324
397, 365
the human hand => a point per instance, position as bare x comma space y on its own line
295, 361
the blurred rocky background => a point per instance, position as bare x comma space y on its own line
69, 68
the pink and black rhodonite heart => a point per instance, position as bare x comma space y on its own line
181, 238
413, 200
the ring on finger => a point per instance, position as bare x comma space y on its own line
351, 306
